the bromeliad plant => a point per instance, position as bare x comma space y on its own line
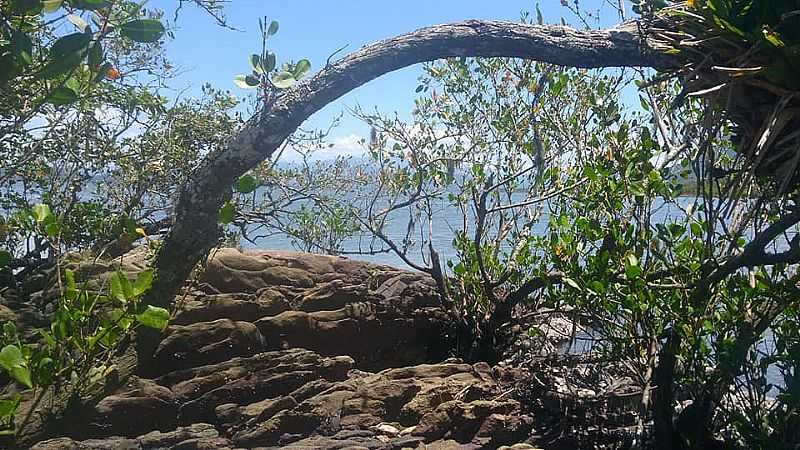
743, 57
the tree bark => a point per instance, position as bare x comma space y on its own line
195, 229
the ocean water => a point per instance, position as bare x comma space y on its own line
448, 220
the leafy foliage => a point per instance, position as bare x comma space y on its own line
265, 73
743, 58
573, 205
87, 328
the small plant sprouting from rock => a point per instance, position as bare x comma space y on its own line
265, 72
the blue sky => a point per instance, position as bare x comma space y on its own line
314, 29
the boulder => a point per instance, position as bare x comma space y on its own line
155, 407
293, 350
199, 436
203, 343
236, 306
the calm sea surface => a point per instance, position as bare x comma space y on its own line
449, 219
446, 221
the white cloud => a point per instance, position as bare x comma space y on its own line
349, 145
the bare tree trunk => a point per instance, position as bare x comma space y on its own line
663, 398
195, 230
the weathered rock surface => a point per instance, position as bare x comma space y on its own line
297, 397
289, 350
379, 315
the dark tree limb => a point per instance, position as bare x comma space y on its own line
504, 310
195, 230
754, 253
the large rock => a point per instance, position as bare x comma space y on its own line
430, 402
203, 343
379, 315
199, 436
290, 350
299, 399
234, 306
155, 407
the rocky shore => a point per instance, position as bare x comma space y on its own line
291, 350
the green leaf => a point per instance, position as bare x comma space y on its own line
273, 28
48, 339
69, 279
22, 47
571, 283
71, 291
62, 95
60, 66
66, 54
10, 329
268, 64
252, 81
69, 45
79, 23
22, 375
121, 318
227, 213
597, 286
8, 407
633, 260
14, 363
46, 371
115, 285
89, 5
27, 7
50, 6
632, 269
241, 81
52, 229
632, 272
40, 212
255, 63
96, 56
246, 184
772, 37
697, 229
143, 282
127, 286
5, 258
301, 68
539, 17
283, 80
153, 317
143, 30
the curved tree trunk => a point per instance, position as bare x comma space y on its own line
195, 229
